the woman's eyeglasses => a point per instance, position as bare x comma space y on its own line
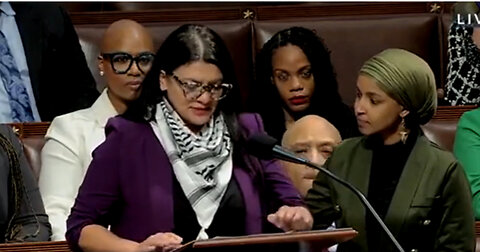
122, 62
193, 89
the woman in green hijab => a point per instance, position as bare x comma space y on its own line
419, 190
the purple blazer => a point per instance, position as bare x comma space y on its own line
129, 184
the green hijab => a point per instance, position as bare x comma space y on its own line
407, 79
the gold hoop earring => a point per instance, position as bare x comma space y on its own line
403, 132
101, 73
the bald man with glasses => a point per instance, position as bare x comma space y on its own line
311, 137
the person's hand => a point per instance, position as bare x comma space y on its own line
292, 218
160, 242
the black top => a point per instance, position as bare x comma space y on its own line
229, 220
388, 162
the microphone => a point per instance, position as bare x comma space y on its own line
266, 147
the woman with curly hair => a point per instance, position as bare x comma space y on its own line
294, 70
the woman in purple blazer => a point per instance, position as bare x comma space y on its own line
173, 168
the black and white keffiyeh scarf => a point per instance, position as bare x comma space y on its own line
202, 162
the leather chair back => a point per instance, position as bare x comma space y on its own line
32, 146
441, 132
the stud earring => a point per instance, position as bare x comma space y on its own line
101, 73
403, 132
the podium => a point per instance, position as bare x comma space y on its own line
315, 240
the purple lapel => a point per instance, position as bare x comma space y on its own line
161, 170
253, 213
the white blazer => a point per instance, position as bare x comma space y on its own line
67, 153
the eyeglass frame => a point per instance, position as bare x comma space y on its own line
183, 85
109, 56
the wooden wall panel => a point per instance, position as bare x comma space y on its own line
104, 13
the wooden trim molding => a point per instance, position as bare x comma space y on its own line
260, 12
62, 246
147, 16
25, 130
59, 246
39, 129
477, 228
452, 112
339, 9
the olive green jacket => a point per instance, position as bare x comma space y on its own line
431, 209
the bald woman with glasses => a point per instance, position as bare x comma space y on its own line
126, 57
176, 164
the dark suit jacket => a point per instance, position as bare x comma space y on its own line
431, 209
31, 204
59, 74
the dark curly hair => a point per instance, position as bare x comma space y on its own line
325, 101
